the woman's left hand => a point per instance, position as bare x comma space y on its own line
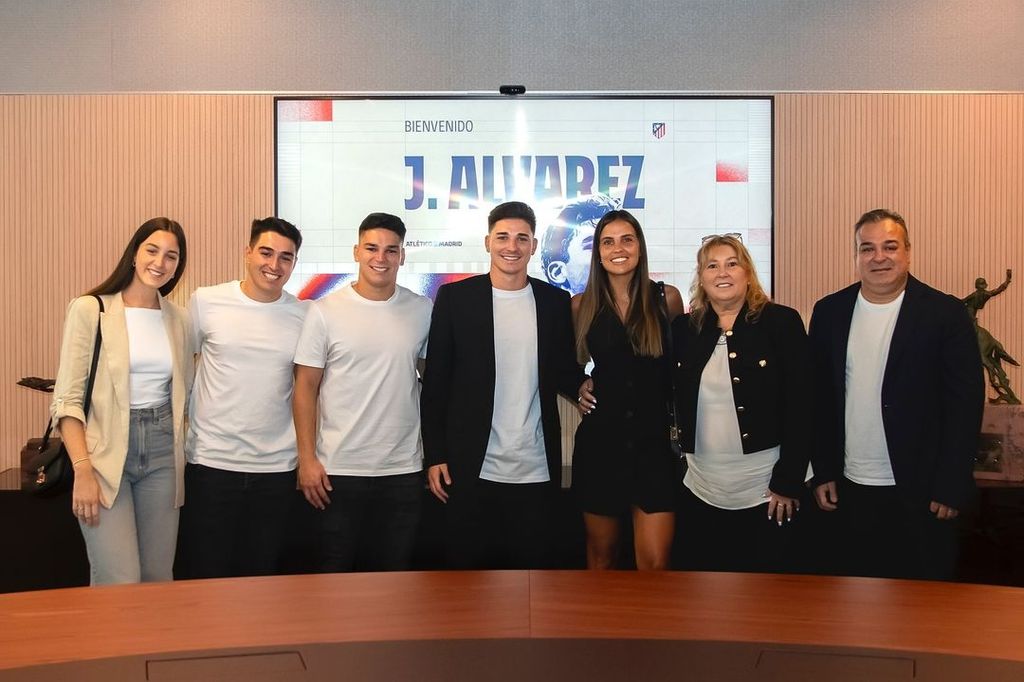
780, 507
586, 402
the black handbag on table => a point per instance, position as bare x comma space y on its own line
52, 465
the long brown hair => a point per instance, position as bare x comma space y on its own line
642, 323
124, 271
756, 298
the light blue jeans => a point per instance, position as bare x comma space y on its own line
136, 537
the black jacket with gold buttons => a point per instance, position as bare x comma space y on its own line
770, 366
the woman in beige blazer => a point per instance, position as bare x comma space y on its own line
128, 454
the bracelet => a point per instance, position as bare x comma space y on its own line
78, 461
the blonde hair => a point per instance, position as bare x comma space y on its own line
756, 298
643, 325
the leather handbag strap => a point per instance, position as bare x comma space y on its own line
92, 374
663, 307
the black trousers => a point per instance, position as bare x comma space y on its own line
371, 523
499, 525
881, 533
743, 540
233, 523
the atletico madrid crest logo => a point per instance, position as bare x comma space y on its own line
658, 129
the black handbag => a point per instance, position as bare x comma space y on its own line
674, 435
52, 465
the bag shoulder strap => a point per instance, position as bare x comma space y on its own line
95, 357
92, 373
662, 300
663, 309
669, 348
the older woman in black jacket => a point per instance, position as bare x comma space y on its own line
743, 394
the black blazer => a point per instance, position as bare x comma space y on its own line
770, 365
457, 401
933, 393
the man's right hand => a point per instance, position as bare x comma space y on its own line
826, 496
435, 475
314, 484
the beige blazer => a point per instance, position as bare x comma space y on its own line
106, 432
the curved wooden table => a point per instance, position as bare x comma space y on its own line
516, 625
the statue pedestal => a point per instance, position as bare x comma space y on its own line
1001, 445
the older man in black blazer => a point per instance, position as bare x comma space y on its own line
899, 401
500, 349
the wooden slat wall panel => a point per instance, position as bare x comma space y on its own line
951, 164
78, 174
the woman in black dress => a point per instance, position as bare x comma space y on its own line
622, 461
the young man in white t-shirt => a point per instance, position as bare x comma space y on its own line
356, 408
240, 477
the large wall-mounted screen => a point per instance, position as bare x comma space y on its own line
686, 167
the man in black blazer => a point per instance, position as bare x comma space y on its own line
500, 349
899, 401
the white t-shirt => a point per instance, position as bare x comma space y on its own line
867, 453
149, 358
718, 472
240, 416
369, 409
515, 449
